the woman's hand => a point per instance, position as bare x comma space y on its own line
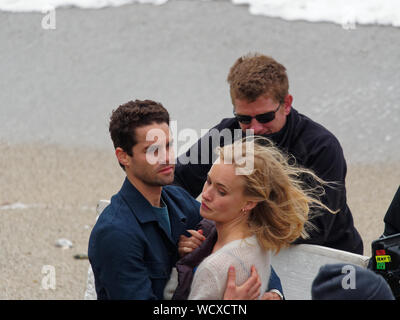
188, 244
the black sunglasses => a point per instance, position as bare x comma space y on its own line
261, 118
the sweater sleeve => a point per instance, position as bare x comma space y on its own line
207, 285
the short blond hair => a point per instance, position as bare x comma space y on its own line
285, 202
255, 75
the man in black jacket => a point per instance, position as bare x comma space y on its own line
261, 102
392, 216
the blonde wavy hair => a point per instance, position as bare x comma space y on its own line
285, 203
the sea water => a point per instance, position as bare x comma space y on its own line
59, 86
382, 12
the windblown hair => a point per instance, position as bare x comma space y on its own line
285, 202
131, 115
256, 75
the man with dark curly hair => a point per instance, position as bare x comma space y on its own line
259, 89
133, 245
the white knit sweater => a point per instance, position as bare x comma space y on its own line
209, 282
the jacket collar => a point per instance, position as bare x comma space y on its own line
176, 217
139, 205
144, 212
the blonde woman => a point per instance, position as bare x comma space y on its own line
257, 204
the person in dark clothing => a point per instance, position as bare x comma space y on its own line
349, 282
260, 96
392, 216
133, 245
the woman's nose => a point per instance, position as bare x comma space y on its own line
206, 194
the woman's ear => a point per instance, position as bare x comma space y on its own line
250, 205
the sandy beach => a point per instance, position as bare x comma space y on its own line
61, 190
60, 87
63, 186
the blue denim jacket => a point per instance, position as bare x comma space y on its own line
130, 252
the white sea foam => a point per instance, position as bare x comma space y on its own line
381, 12
45, 5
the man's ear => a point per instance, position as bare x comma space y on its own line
122, 156
288, 103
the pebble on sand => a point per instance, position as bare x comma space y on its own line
64, 243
